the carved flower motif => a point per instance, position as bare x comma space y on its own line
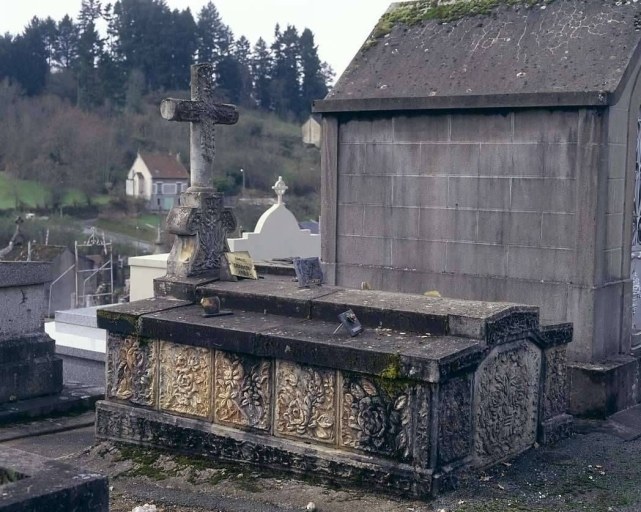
242, 394
297, 416
375, 421
371, 419
306, 402
185, 379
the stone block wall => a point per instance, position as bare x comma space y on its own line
511, 205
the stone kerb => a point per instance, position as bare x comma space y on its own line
32, 483
405, 405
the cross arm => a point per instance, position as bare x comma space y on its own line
192, 111
172, 109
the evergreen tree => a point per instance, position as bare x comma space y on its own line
313, 83
183, 39
261, 66
233, 74
29, 58
285, 76
90, 48
214, 37
65, 48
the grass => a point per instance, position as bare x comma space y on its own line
15, 193
129, 226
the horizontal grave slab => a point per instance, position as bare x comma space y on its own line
430, 387
30, 483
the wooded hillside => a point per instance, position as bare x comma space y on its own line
76, 106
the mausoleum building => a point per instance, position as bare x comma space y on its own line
490, 152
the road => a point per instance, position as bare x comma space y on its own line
143, 246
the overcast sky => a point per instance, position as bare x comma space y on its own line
340, 26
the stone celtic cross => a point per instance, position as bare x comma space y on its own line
201, 223
203, 114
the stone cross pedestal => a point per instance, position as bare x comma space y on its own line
200, 223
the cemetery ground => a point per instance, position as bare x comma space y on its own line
598, 469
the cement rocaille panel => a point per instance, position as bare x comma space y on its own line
306, 402
555, 396
131, 369
506, 401
376, 416
185, 379
455, 419
242, 391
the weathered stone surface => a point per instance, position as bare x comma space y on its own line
506, 399
389, 397
423, 446
201, 225
455, 419
22, 311
507, 327
49, 485
24, 273
123, 318
555, 386
30, 378
243, 391
377, 416
306, 402
185, 435
600, 389
132, 369
185, 379
555, 429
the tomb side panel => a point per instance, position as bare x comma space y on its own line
132, 373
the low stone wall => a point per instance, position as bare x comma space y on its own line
431, 386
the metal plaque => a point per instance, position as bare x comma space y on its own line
308, 271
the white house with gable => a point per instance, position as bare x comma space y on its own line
157, 178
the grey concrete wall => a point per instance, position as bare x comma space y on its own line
497, 205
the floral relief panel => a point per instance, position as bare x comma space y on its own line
305, 402
506, 401
185, 379
376, 416
242, 391
131, 370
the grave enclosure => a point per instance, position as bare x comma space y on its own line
431, 387
494, 157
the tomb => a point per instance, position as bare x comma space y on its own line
488, 150
29, 367
429, 388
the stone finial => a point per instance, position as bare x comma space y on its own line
280, 188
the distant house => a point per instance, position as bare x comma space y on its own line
312, 130
157, 178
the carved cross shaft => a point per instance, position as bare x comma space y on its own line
203, 113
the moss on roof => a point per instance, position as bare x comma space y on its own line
411, 13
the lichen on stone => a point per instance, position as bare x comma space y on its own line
411, 13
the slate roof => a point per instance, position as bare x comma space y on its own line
164, 166
563, 52
39, 252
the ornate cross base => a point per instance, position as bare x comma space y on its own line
201, 225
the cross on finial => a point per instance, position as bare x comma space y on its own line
203, 113
280, 188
